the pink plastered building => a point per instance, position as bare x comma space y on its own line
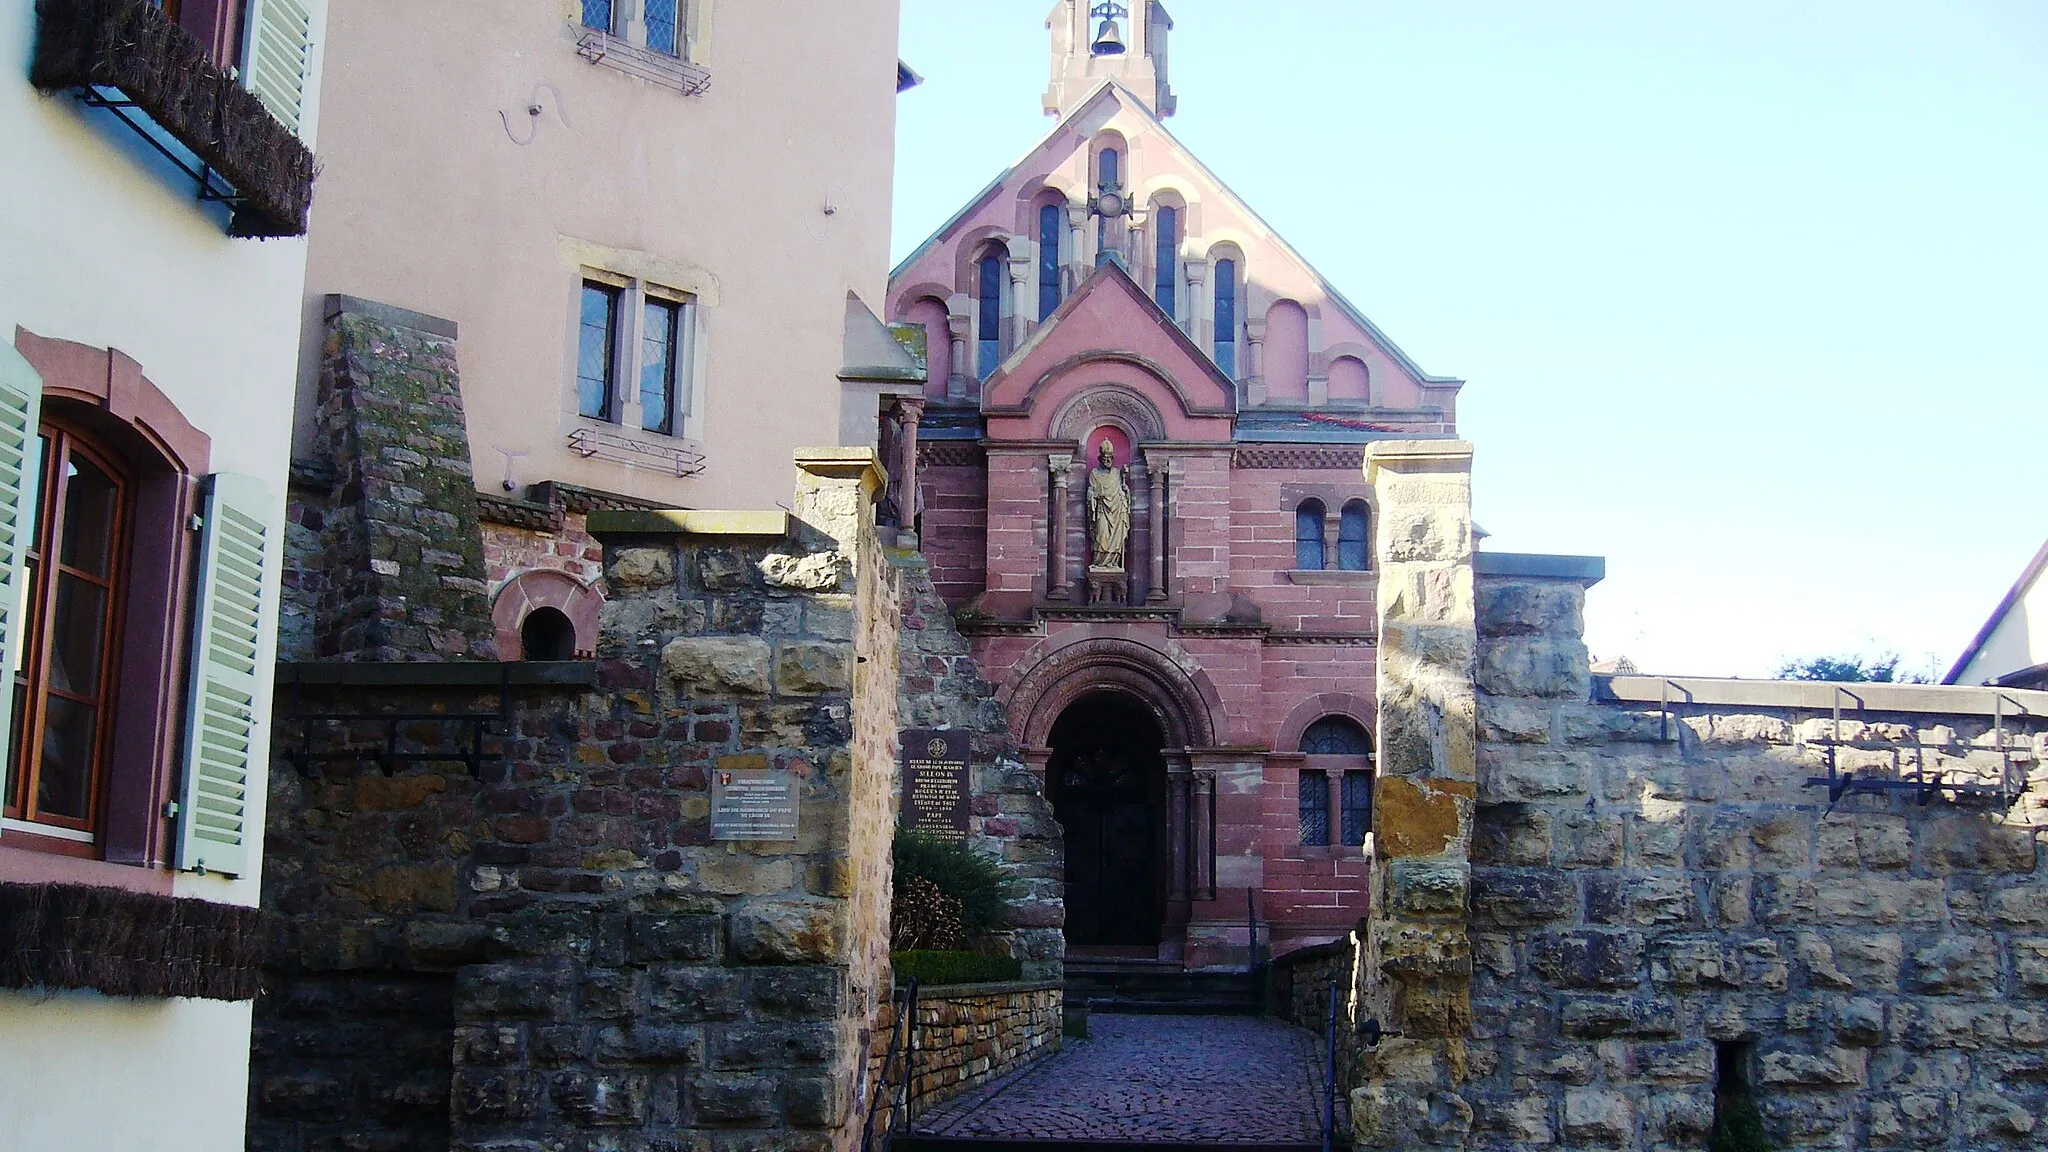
1202, 716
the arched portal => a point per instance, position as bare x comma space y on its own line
1107, 782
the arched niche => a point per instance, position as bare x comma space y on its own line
545, 588
1286, 353
1184, 703
1350, 382
1107, 404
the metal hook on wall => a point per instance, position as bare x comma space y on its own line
534, 108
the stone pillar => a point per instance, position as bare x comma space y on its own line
1062, 469
1255, 361
405, 553
1418, 956
909, 410
1078, 261
1155, 588
1016, 309
956, 381
1197, 307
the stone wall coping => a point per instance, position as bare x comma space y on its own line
1419, 450
340, 305
927, 993
454, 673
844, 463
1585, 570
1821, 695
687, 522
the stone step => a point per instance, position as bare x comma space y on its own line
1154, 988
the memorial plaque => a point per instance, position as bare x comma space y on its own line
753, 803
935, 782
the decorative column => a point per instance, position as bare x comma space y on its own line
1078, 261
956, 380
1155, 475
1016, 310
1199, 309
909, 410
1417, 959
1062, 468
1255, 358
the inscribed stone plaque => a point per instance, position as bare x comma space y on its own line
753, 803
935, 782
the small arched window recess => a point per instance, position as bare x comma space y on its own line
1226, 317
1308, 535
547, 634
1352, 537
1050, 226
1166, 257
988, 291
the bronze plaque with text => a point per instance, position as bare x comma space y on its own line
935, 782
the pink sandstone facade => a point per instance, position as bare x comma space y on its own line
1202, 721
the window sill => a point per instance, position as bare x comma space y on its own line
1313, 576
654, 67
674, 455
134, 62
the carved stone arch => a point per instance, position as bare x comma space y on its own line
1356, 709
1111, 404
1179, 696
906, 298
1148, 366
545, 588
967, 252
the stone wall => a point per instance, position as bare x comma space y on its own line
966, 1035
399, 548
1608, 910
1010, 818
1661, 904
619, 979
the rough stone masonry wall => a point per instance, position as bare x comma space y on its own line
966, 1035
399, 551
1010, 818
1645, 888
620, 980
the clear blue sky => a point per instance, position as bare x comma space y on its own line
1749, 295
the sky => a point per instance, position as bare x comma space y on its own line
1751, 298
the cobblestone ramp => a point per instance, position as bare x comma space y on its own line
1158, 1082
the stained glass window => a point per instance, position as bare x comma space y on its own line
1314, 804
1351, 537
1226, 317
1050, 225
1308, 535
596, 351
661, 26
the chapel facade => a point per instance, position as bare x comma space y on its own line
1138, 484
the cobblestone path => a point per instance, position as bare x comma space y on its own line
1153, 1079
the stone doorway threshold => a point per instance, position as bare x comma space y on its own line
1158, 1083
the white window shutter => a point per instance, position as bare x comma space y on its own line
220, 753
21, 402
278, 56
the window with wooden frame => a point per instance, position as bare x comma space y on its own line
129, 580
636, 354
64, 674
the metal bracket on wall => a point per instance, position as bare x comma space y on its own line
1925, 788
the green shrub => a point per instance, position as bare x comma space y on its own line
936, 968
958, 883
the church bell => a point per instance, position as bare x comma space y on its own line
1109, 41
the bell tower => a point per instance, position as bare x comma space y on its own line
1096, 40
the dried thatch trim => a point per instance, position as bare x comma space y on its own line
132, 46
127, 943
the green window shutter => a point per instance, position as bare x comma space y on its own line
279, 56
220, 729
21, 402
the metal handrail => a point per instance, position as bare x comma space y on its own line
903, 1038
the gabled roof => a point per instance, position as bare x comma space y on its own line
1111, 275
1115, 90
2013, 596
